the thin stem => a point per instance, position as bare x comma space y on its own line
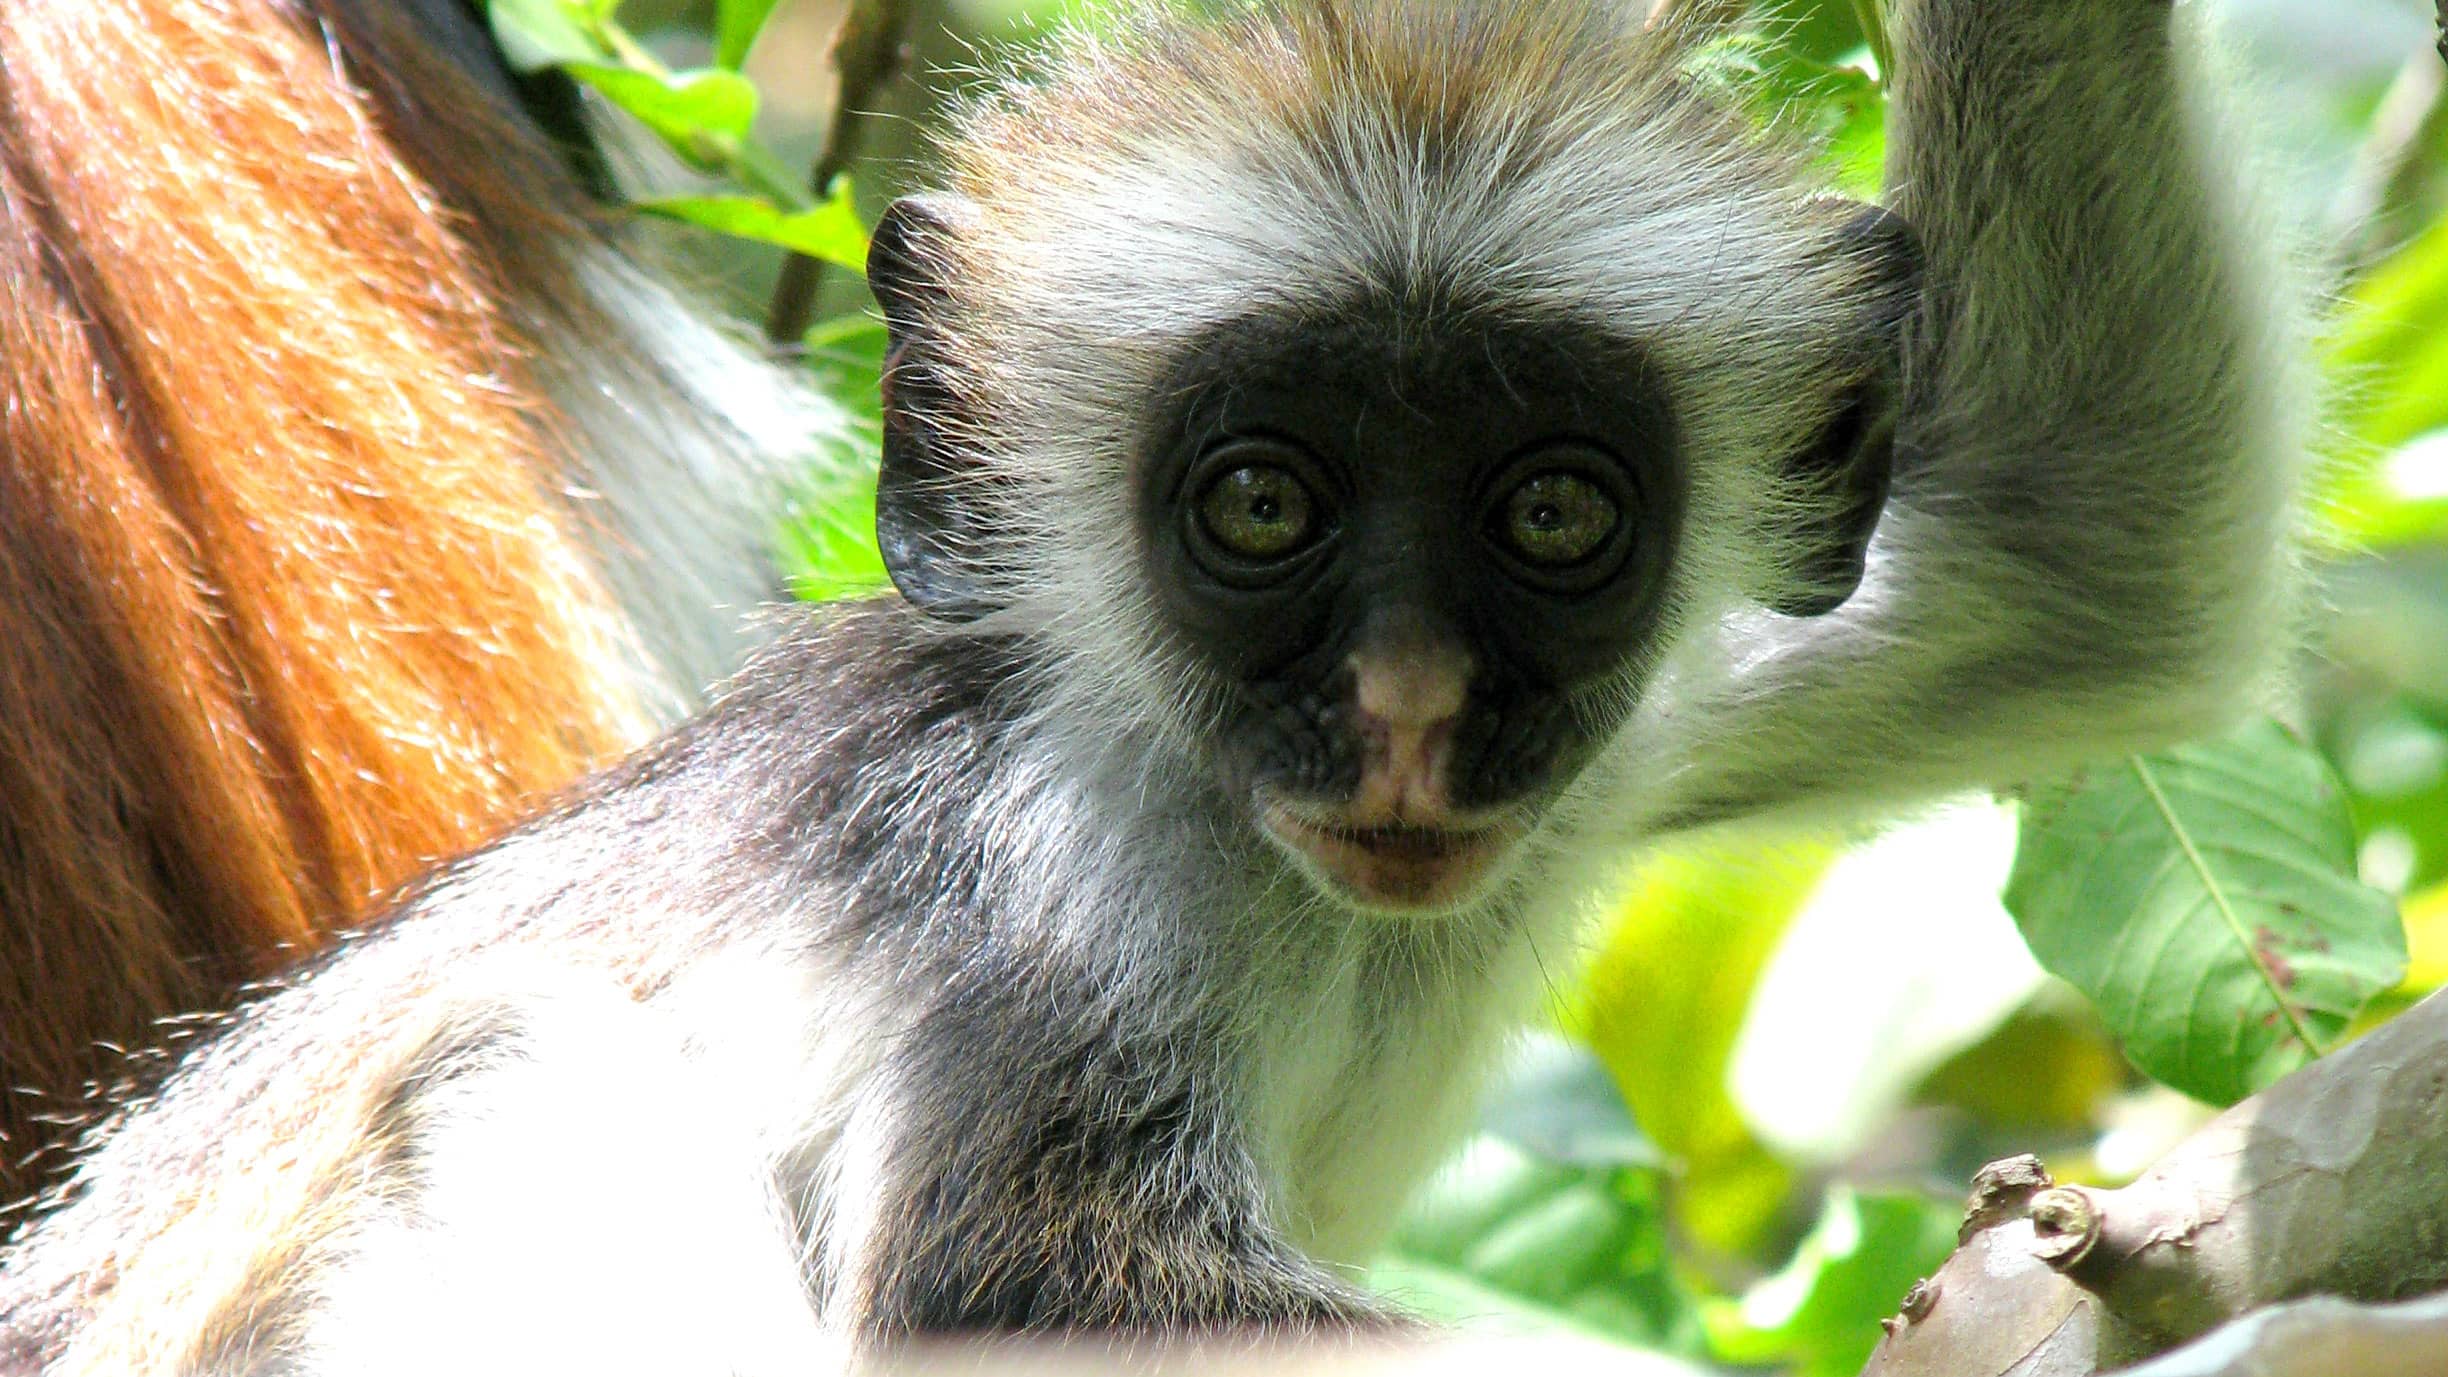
1874, 33
631, 53
873, 50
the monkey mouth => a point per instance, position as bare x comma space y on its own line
1405, 867
1403, 842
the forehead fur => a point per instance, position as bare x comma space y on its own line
1539, 156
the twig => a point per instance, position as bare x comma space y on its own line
872, 50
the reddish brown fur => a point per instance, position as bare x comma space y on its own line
287, 604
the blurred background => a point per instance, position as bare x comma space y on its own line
1750, 1126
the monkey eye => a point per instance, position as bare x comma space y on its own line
1555, 519
1258, 511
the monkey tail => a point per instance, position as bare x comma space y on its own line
306, 572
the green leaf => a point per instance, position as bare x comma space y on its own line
2390, 360
1553, 1220
831, 231
1510, 1243
1665, 1001
736, 25
2205, 900
703, 115
536, 34
1820, 1316
1810, 79
828, 547
1857, 147
1843, 109
828, 544
2388, 344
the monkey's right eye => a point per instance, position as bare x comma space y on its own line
1258, 511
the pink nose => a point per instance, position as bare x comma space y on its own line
1409, 686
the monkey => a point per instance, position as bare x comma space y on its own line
357, 487
1352, 470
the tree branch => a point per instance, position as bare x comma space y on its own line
2332, 1182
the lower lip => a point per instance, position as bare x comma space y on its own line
1407, 869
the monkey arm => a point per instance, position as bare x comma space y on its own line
2105, 412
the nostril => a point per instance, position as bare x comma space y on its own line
1381, 734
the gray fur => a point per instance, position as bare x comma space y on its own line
928, 984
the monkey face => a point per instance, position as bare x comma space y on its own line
1391, 555
1421, 556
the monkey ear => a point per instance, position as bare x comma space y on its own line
1853, 458
930, 515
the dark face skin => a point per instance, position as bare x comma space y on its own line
1411, 554
1414, 547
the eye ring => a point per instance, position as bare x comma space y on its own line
1563, 516
1253, 508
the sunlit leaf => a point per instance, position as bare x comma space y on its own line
2049, 1069
832, 231
2205, 900
1841, 106
2426, 920
1819, 1317
2389, 346
1664, 1002
2392, 751
2396, 498
736, 25
535, 34
828, 544
1811, 78
846, 356
704, 115
2389, 357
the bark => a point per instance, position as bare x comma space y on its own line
2334, 1182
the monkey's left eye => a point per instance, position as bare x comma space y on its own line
1258, 511
1557, 519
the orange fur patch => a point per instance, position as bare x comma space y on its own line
286, 606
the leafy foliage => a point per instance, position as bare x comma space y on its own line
1554, 1217
736, 26
707, 118
828, 547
